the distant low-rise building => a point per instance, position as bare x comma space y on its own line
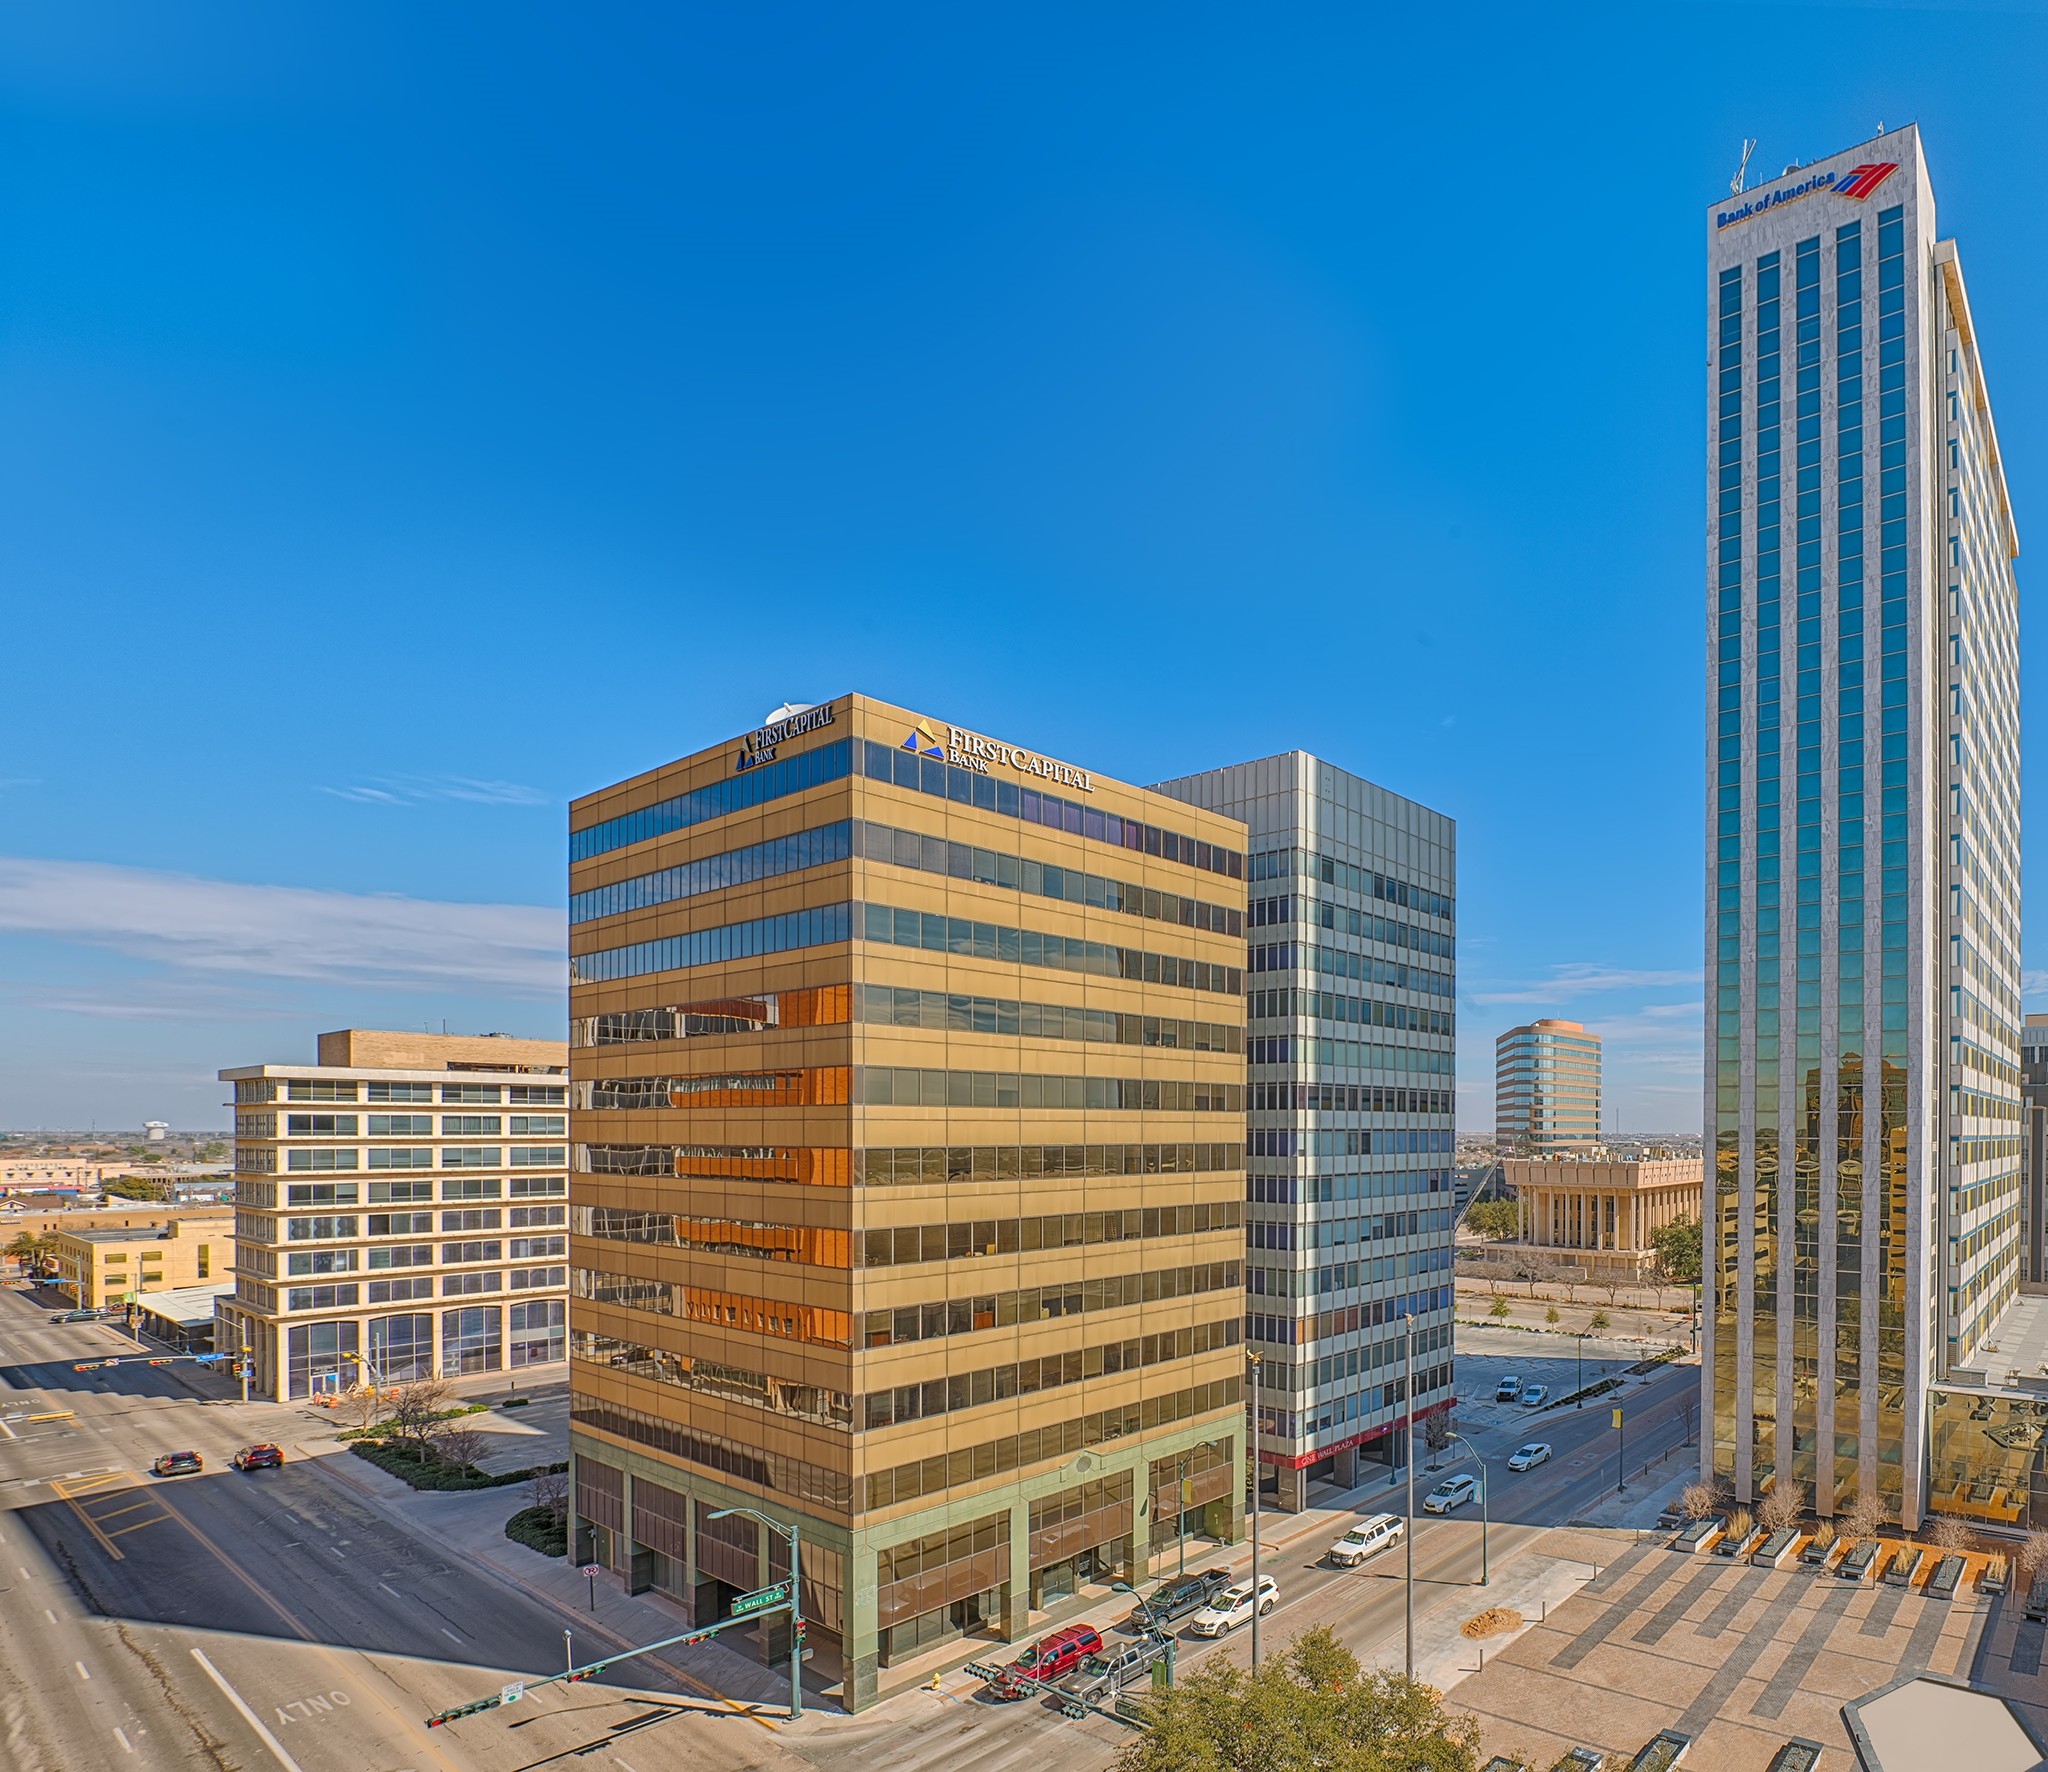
101, 1266
1598, 1216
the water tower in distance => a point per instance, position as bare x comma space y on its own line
154, 1131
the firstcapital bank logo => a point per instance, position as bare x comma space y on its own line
924, 741
1858, 182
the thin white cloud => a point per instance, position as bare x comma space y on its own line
222, 926
417, 790
1581, 978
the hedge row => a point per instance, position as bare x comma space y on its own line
431, 1473
540, 1529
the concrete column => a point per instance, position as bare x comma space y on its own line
863, 1644
1017, 1591
1292, 1482
1347, 1468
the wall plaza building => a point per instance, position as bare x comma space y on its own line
1546, 1090
1349, 995
907, 1127
401, 1211
1862, 935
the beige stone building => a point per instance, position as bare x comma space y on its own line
1595, 1215
401, 1210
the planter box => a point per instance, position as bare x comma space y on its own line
1947, 1577
1662, 1753
1777, 1550
1905, 1565
1698, 1537
1817, 1556
1987, 1583
1859, 1561
1729, 1548
2037, 1599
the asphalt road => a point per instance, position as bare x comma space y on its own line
276, 1620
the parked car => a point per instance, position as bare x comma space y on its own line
1367, 1538
76, 1317
178, 1464
1106, 1673
1527, 1458
1177, 1598
1452, 1492
258, 1458
1234, 1606
1508, 1389
1045, 1661
1535, 1396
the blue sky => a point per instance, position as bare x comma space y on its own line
412, 417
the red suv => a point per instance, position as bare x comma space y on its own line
1045, 1661
258, 1458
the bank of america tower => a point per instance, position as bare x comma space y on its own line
1862, 930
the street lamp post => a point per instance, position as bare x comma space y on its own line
1180, 1514
1579, 1389
1408, 1537
1484, 1485
796, 1607
1254, 1359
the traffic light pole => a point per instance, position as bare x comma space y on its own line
796, 1613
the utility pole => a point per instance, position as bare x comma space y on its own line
1181, 1514
1408, 1537
1254, 1359
1484, 1485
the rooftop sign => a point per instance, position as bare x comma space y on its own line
1858, 182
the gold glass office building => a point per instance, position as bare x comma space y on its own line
907, 1132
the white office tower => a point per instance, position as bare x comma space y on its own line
1863, 886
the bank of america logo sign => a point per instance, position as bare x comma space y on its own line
1860, 181
923, 740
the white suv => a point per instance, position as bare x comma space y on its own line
1451, 1492
1233, 1607
1367, 1538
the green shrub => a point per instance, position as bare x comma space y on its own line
515, 1402
430, 1473
384, 1430
539, 1529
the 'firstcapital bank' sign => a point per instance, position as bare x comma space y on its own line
969, 750
1858, 182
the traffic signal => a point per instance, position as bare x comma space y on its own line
464, 1710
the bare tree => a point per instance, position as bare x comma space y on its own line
550, 1489
1697, 1500
1865, 1516
2033, 1554
1947, 1533
362, 1407
417, 1406
1780, 1508
459, 1447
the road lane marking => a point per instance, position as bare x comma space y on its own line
450, 1635
235, 1569
248, 1716
392, 1591
51, 1616
127, 1746
82, 1674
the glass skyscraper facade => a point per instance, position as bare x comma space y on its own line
1862, 904
1350, 984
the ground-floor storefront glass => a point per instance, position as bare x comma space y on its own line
320, 1358
1988, 1458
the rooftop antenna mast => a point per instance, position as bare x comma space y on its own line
1742, 171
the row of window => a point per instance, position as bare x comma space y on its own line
1308, 956
955, 1012
1336, 1006
850, 838
452, 1156
1288, 864
904, 768
1278, 1141
1348, 1098
826, 1407
254, 1090
899, 1086
907, 1165
383, 1224
401, 1125
823, 1006
827, 1246
403, 1193
719, 799
348, 1296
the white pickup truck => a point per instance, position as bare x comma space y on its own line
1367, 1538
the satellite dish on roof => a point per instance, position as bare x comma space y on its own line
786, 711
